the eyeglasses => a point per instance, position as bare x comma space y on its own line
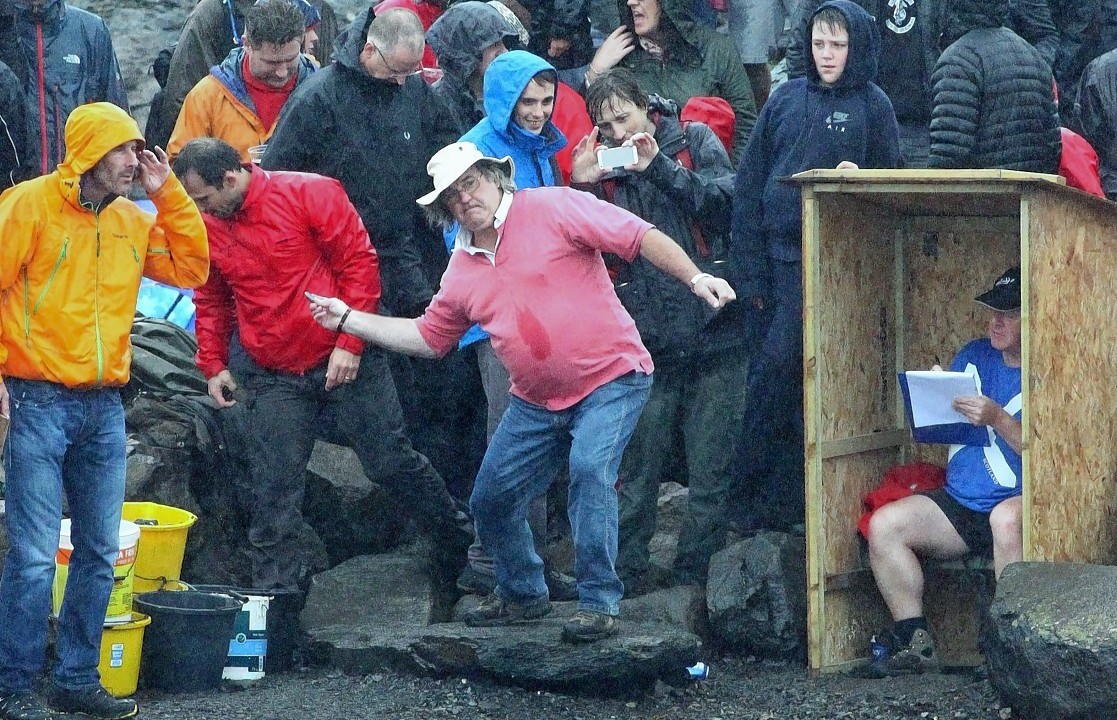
392, 72
467, 184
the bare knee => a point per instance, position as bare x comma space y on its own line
887, 526
1006, 523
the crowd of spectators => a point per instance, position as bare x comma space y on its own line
793, 85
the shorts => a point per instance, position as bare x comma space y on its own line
972, 526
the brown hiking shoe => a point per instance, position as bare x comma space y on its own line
891, 659
589, 626
494, 610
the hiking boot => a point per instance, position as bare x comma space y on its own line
92, 703
560, 586
475, 582
494, 611
588, 626
891, 658
23, 706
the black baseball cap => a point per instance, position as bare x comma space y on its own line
1005, 293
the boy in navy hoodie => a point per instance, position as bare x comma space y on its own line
834, 117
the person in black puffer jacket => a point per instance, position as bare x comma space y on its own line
993, 100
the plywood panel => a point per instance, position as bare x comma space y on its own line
1071, 363
853, 614
846, 481
856, 318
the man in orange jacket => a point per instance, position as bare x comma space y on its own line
240, 100
73, 252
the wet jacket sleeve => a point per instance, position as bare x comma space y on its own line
13, 129
106, 71
704, 193
340, 235
193, 121
1097, 110
957, 108
733, 86
22, 227
748, 254
214, 324
178, 246
202, 39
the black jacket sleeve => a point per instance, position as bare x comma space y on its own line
704, 193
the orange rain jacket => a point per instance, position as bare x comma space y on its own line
69, 276
219, 106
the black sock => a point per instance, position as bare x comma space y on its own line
904, 629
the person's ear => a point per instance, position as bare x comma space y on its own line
230, 180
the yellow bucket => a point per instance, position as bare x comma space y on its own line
163, 532
120, 600
121, 646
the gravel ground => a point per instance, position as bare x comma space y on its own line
741, 690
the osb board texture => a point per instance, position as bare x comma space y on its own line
1072, 365
852, 615
855, 311
954, 602
845, 482
947, 262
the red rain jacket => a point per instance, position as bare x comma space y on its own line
295, 233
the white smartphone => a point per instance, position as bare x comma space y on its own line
610, 158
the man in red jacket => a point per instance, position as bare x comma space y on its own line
273, 237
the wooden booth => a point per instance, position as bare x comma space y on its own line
891, 263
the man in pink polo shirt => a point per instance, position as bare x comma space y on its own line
527, 267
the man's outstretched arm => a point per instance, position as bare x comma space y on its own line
396, 334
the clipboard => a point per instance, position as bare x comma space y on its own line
937, 432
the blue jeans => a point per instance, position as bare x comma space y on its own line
72, 440
526, 453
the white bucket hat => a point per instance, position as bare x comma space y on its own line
451, 162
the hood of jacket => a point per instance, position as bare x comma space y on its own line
463, 32
230, 73
91, 131
963, 16
683, 33
668, 130
863, 57
351, 41
505, 81
51, 12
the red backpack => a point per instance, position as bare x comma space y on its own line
716, 114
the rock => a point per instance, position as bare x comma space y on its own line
352, 515
682, 607
528, 655
671, 508
370, 590
1052, 641
756, 596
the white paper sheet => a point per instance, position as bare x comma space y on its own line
932, 392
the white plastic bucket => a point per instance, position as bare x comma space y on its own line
248, 647
120, 601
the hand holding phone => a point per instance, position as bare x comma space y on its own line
612, 158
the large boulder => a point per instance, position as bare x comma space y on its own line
1052, 641
370, 590
756, 595
352, 515
527, 655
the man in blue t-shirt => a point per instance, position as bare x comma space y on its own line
977, 512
